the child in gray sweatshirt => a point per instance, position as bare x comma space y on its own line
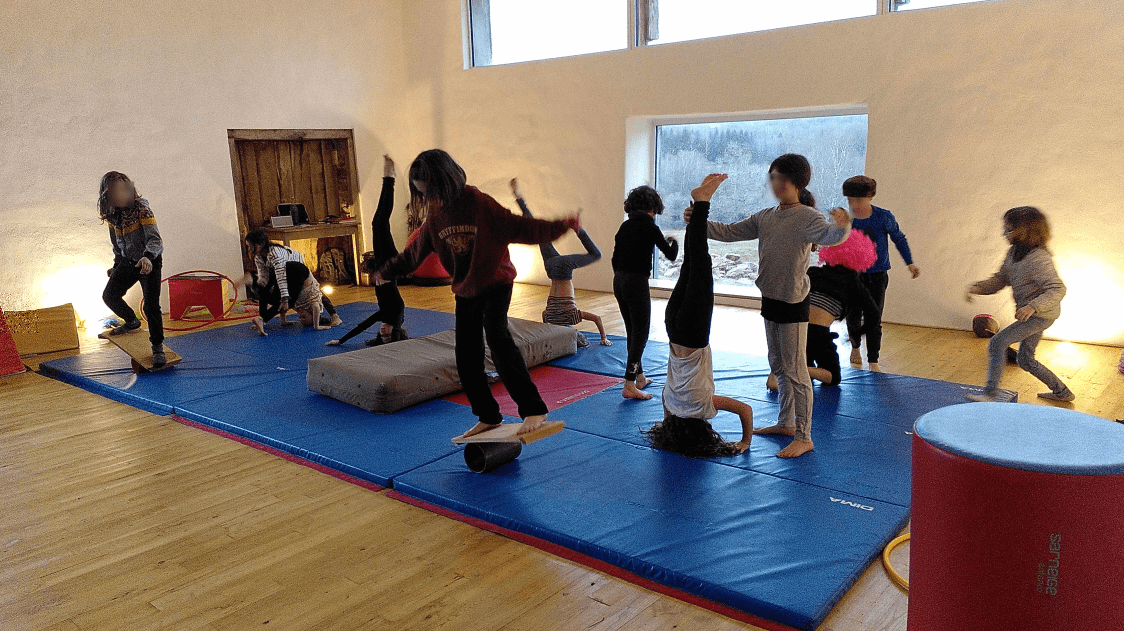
785, 237
1029, 271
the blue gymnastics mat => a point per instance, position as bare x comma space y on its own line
774, 548
610, 360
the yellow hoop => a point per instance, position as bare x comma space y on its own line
890, 571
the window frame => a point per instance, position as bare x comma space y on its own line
641, 138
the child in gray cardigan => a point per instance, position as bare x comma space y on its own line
1038, 290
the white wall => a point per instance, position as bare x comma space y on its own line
973, 109
150, 88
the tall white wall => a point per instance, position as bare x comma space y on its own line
150, 88
973, 109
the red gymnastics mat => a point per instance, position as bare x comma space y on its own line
559, 387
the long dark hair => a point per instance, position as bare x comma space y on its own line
1029, 229
107, 180
444, 179
692, 437
796, 169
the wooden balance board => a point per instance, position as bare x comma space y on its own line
508, 433
139, 349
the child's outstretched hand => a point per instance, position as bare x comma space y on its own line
388, 166
573, 222
842, 219
709, 184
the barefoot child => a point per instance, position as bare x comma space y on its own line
786, 234
1038, 290
470, 233
688, 398
561, 308
392, 309
137, 257
836, 289
878, 224
632, 266
281, 277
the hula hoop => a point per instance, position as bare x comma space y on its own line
897, 579
220, 318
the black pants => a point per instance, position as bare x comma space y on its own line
865, 322
634, 298
123, 277
691, 305
822, 352
486, 316
392, 310
269, 298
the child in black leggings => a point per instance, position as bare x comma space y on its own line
632, 266
392, 309
688, 398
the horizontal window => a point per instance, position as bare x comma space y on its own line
682, 20
511, 31
685, 153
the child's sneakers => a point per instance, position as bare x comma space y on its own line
983, 397
159, 359
128, 327
1065, 396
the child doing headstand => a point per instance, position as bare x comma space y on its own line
561, 308
688, 398
1029, 271
632, 266
470, 232
786, 234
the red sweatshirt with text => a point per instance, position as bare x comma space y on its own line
471, 238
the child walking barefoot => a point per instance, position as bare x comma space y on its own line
688, 398
786, 234
392, 309
632, 266
1029, 271
561, 308
470, 232
879, 224
138, 255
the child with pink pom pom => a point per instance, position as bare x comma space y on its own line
836, 288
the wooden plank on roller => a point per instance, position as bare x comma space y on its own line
508, 433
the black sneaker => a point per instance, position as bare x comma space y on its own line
128, 327
159, 359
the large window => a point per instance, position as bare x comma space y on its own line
685, 153
908, 5
511, 31
682, 20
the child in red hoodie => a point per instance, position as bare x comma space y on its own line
470, 232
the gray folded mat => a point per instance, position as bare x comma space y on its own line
395, 376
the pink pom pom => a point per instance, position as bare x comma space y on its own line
856, 253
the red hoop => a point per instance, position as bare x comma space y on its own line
221, 318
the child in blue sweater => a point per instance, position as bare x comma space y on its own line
878, 224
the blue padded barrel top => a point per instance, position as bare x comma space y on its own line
1027, 437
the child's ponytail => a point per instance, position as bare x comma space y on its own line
807, 198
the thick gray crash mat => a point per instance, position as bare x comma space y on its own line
395, 376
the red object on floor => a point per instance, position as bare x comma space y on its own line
10, 363
201, 290
431, 268
559, 387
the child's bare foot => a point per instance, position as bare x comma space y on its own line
796, 449
631, 392
771, 383
777, 430
531, 423
874, 367
642, 382
258, 325
480, 428
982, 398
856, 357
320, 327
336, 320
286, 322
606, 342
332, 343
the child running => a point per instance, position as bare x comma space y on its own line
561, 308
138, 257
1029, 271
786, 234
878, 224
392, 309
632, 267
688, 398
470, 232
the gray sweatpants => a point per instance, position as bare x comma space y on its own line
1027, 335
788, 361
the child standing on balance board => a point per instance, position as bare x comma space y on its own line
878, 224
786, 234
470, 232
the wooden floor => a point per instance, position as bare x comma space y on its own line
114, 518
